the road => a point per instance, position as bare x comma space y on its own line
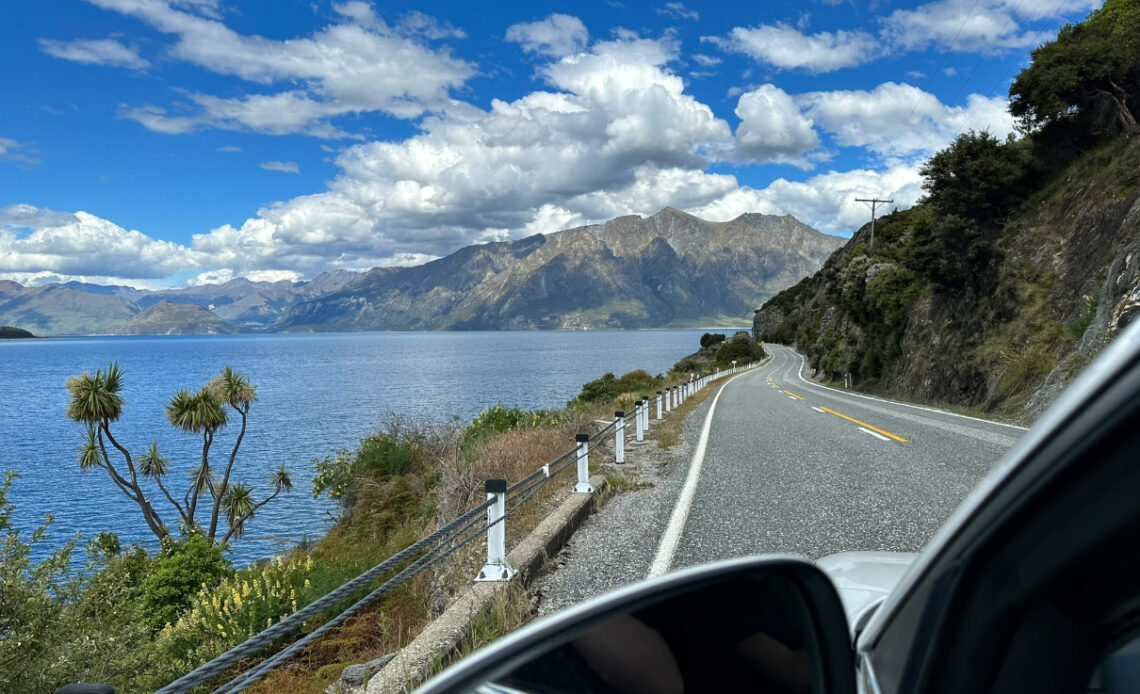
794, 467
788, 467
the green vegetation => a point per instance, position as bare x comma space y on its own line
978, 294
710, 339
7, 332
96, 401
137, 622
609, 388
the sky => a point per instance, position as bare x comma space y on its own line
163, 143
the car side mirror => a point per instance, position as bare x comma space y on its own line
758, 624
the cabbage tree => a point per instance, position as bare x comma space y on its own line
96, 401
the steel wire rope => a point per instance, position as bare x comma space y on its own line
452, 529
537, 480
414, 569
601, 434
540, 471
258, 641
1058, 15
989, 49
238, 684
941, 60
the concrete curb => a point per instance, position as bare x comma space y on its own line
414, 663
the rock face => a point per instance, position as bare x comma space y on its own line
166, 318
668, 269
1066, 280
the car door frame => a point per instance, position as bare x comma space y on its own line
954, 622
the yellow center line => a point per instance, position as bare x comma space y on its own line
791, 394
864, 424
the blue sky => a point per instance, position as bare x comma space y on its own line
167, 142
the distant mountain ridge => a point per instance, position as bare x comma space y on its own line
76, 308
670, 269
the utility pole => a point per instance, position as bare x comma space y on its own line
874, 204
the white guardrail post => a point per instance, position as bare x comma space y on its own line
496, 568
637, 420
666, 394
583, 486
659, 415
619, 437
645, 412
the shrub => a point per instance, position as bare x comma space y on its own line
386, 454
710, 339
220, 617
180, 569
30, 619
608, 387
498, 419
740, 348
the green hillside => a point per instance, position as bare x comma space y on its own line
1021, 263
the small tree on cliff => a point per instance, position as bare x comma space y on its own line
96, 402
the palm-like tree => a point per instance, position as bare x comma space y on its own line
239, 505
204, 414
234, 389
96, 401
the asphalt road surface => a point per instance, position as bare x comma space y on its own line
794, 467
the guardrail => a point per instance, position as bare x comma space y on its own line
502, 501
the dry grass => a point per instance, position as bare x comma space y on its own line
459, 484
667, 432
450, 477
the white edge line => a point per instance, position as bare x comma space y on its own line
672, 535
819, 410
800, 373
872, 433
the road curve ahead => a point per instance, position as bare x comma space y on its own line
795, 467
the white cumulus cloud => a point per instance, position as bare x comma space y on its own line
772, 127
558, 35
34, 240
359, 65
787, 48
899, 119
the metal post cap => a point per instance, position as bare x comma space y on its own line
582, 438
619, 413
496, 486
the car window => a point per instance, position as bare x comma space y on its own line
1119, 671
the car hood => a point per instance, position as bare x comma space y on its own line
864, 579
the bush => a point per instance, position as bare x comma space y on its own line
220, 617
740, 348
386, 454
710, 339
30, 604
180, 570
498, 420
608, 387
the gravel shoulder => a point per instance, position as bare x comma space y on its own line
616, 545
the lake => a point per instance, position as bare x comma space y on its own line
316, 394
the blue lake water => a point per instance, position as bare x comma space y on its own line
316, 394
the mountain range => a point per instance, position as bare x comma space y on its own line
670, 269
